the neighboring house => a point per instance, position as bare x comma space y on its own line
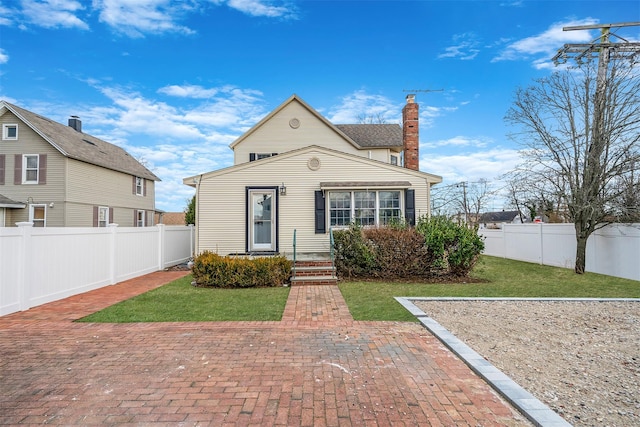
57, 176
170, 218
496, 219
297, 173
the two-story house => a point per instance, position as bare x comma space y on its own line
55, 175
297, 173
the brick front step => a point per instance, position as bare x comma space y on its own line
314, 272
313, 280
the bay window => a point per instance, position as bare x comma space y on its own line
366, 208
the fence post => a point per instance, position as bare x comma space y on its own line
24, 283
113, 228
540, 233
161, 243
192, 248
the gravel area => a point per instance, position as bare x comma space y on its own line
582, 359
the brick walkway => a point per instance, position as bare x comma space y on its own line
317, 367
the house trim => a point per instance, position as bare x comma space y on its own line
292, 98
248, 222
364, 185
431, 179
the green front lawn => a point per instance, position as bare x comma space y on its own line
178, 301
498, 278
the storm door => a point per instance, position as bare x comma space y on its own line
262, 220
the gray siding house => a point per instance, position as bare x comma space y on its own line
55, 175
296, 173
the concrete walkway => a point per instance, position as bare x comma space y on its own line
317, 367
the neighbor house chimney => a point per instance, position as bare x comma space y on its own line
410, 133
75, 123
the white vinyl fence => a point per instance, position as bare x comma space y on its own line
613, 250
40, 265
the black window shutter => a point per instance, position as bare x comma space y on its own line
144, 187
95, 216
410, 206
110, 216
252, 157
321, 221
42, 169
133, 185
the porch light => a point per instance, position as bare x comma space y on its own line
283, 190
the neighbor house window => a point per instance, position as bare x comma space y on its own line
30, 165
140, 218
103, 216
139, 186
38, 215
367, 208
10, 132
394, 160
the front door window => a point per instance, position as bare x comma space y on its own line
262, 220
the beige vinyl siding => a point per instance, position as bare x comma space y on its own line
277, 136
29, 142
222, 198
90, 185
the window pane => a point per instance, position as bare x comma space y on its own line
340, 208
12, 131
365, 207
32, 162
32, 175
389, 207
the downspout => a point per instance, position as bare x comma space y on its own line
197, 225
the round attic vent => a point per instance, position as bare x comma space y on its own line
294, 123
313, 163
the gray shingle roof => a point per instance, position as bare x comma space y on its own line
374, 135
503, 216
82, 146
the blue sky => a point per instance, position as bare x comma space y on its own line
174, 82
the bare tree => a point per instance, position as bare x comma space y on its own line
372, 119
580, 130
463, 200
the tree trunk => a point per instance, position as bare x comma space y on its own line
581, 252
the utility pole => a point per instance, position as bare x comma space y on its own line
605, 50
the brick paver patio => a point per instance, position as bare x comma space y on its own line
317, 367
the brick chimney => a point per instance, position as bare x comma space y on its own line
75, 123
410, 138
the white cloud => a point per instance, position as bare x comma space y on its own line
360, 104
135, 18
4, 58
188, 91
262, 8
458, 141
544, 45
54, 13
465, 47
471, 166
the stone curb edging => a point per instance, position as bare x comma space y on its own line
532, 408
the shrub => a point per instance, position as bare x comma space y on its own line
435, 248
353, 256
210, 269
398, 252
454, 248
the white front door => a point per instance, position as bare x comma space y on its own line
262, 220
